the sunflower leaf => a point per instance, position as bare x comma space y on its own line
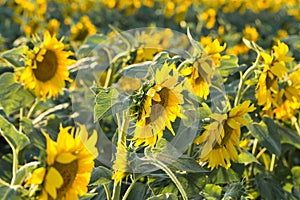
212, 191
229, 66
100, 175
246, 157
267, 134
14, 56
107, 103
13, 96
289, 136
16, 139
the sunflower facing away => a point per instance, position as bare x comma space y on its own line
199, 75
221, 138
160, 106
68, 167
46, 68
274, 69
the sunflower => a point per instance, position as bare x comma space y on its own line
160, 106
46, 68
274, 69
120, 165
287, 101
68, 166
199, 75
82, 29
221, 138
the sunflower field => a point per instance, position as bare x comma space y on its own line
149, 99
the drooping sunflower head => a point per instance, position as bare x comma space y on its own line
69, 163
221, 138
159, 105
200, 73
123, 163
46, 68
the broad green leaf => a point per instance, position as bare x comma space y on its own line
222, 176
14, 56
245, 157
100, 175
289, 136
16, 139
138, 191
267, 134
13, 96
187, 164
212, 192
168, 154
27, 125
229, 66
106, 102
166, 196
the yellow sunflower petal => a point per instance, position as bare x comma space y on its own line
53, 181
66, 158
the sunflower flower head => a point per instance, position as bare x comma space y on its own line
221, 138
159, 105
82, 29
122, 162
69, 163
274, 68
46, 68
200, 73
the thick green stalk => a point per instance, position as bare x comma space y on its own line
168, 171
107, 192
243, 79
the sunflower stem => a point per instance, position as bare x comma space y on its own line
190, 150
272, 164
21, 117
36, 102
117, 191
122, 131
243, 80
110, 70
129, 189
168, 171
107, 191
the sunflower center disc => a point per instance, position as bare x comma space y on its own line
68, 173
47, 68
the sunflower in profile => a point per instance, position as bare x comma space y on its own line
274, 68
287, 101
68, 166
221, 138
200, 73
158, 104
46, 68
